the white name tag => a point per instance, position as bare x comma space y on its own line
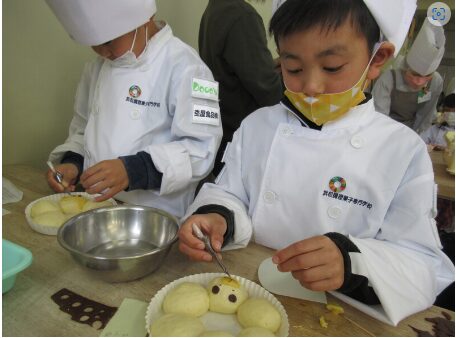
206, 115
205, 89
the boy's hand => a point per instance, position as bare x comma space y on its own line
69, 172
106, 177
214, 225
316, 263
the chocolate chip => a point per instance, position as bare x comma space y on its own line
232, 298
215, 289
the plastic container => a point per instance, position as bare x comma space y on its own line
15, 258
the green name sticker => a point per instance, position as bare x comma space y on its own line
205, 89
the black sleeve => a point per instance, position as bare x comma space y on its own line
354, 286
227, 214
76, 159
142, 173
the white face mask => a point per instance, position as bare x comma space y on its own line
129, 59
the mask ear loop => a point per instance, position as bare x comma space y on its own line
134, 40
375, 49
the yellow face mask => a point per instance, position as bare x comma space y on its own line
328, 107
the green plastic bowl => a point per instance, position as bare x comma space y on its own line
15, 258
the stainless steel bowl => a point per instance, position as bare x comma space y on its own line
119, 243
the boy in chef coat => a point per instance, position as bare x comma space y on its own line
409, 93
344, 193
147, 122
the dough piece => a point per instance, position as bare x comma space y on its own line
187, 298
89, 205
51, 218
72, 204
259, 312
255, 332
176, 325
216, 334
43, 206
225, 295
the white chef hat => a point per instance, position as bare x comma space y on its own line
393, 18
427, 50
94, 22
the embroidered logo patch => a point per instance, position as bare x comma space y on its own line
337, 184
134, 91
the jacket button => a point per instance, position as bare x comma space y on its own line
357, 142
334, 212
287, 131
135, 115
270, 196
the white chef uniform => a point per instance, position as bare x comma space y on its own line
393, 96
285, 182
277, 182
166, 105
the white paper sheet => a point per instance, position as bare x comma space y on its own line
283, 283
10, 193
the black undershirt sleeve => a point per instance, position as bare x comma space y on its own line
76, 159
354, 286
142, 173
227, 214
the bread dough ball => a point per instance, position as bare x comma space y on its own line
89, 205
187, 298
259, 312
216, 334
255, 332
225, 295
43, 206
72, 204
176, 325
51, 218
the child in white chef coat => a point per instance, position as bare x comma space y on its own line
345, 194
147, 123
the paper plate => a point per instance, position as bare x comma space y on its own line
211, 320
49, 230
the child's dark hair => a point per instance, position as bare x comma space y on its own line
299, 15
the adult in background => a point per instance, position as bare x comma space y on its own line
232, 42
409, 94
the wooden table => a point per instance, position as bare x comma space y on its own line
444, 180
29, 311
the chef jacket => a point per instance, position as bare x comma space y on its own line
364, 176
388, 86
166, 105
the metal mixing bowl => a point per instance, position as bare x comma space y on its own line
119, 243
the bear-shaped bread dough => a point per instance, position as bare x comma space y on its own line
255, 332
259, 312
89, 205
225, 295
72, 204
43, 206
176, 325
216, 334
187, 298
51, 218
